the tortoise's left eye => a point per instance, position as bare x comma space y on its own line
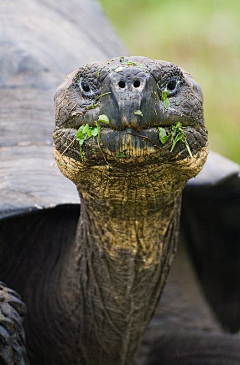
85, 86
172, 86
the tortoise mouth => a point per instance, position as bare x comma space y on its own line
129, 145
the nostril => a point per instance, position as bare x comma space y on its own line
121, 84
136, 83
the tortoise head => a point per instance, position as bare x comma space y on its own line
129, 113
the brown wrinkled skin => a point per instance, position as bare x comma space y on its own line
129, 223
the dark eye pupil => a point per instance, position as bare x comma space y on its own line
172, 85
121, 84
85, 87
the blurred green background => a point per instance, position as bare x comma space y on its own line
201, 36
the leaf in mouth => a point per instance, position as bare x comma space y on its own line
163, 137
177, 134
85, 132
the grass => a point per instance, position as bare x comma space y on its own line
203, 38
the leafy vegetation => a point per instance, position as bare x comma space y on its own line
85, 132
176, 134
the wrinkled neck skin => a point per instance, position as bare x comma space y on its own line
124, 246
123, 260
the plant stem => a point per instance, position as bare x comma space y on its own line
188, 148
99, 139
145, 137
65, 150
103, 95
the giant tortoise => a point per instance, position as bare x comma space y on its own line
129, 133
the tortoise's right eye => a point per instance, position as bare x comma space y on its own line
85, 86
172, 85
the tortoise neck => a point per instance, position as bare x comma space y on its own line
125, 243
127, 232
114, 273
131, 210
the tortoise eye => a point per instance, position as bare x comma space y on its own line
172, 86
86, 89
85, 86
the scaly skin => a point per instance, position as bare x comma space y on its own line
12, 335
127, 232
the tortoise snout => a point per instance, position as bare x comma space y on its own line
130, 83
133, 96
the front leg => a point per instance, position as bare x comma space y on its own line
12, 334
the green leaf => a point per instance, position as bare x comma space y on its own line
81, 141
178, 125
165, 94
103, 118
162, 132
164, 98
177, 139
79, 135
177, 134
81, 128
163, 137
85, 129
92, 106
85, 132
138, 112
94, 131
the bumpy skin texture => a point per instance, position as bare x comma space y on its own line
75, 107
129, 222
12, 335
